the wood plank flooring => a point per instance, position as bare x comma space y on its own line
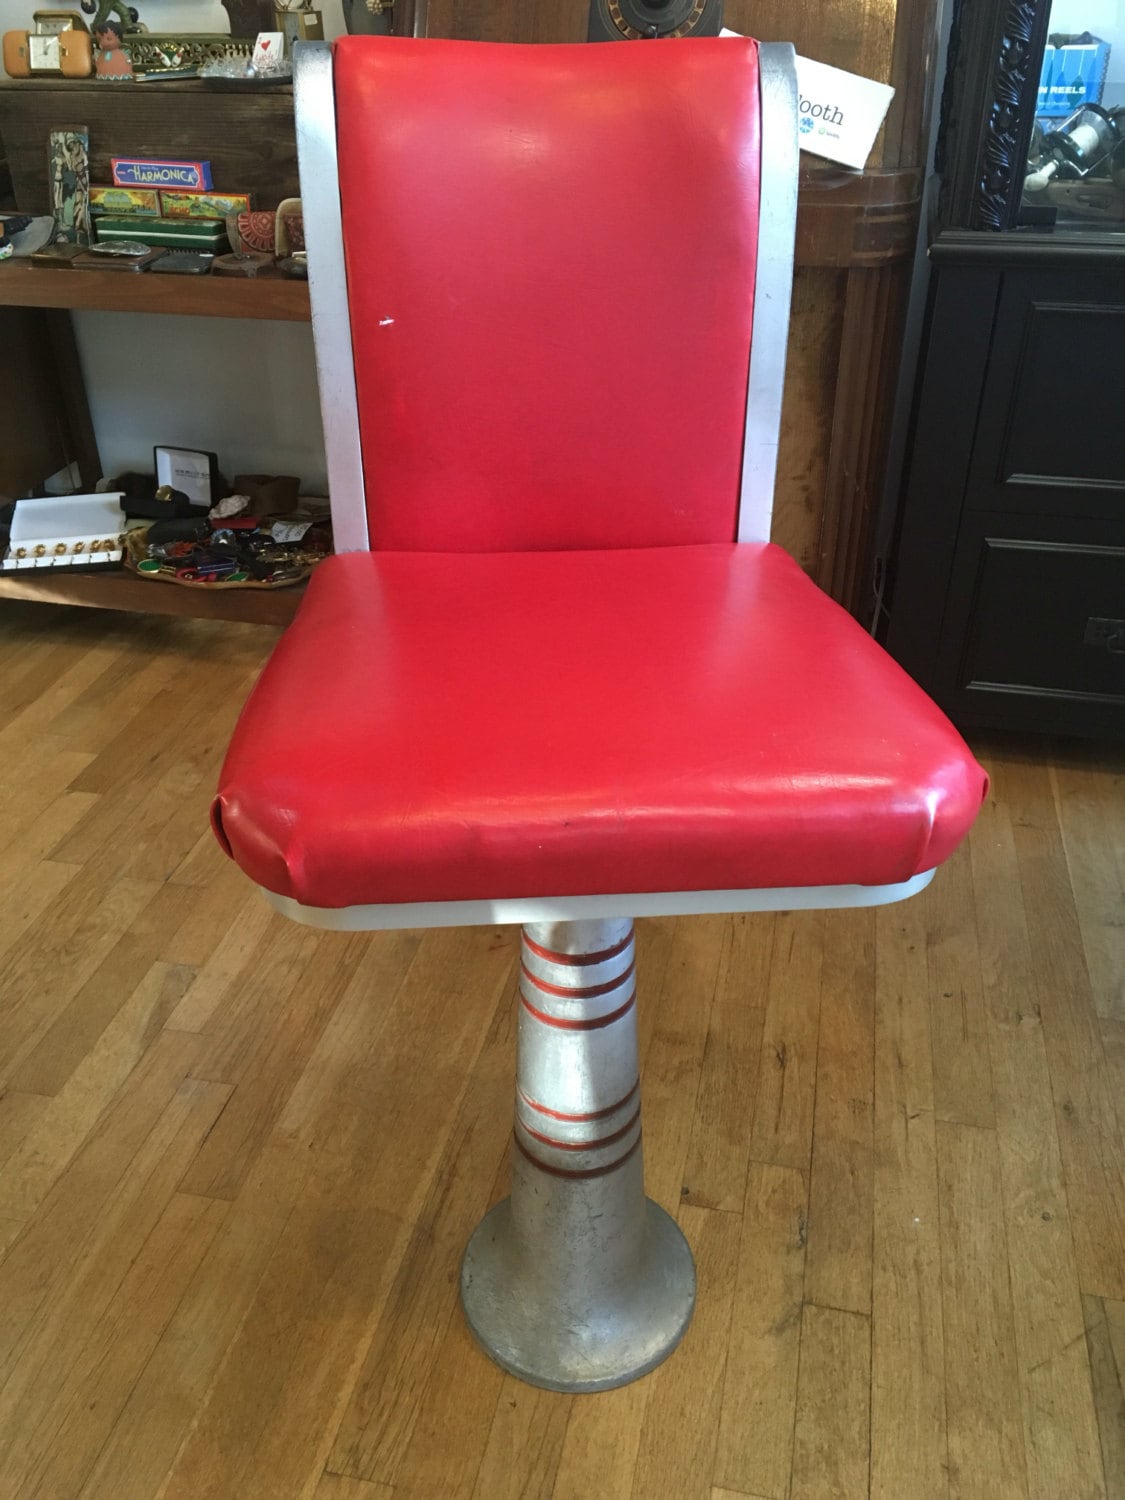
239, 1160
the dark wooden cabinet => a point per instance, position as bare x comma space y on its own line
1008, 599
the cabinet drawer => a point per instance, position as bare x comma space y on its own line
1035, 626
1048, 439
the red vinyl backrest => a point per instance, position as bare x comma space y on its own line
550, 257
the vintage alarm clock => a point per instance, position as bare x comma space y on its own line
58, 45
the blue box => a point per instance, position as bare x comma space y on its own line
1046, 73
1073, 74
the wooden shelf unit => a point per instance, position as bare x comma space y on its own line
274, 297
111, 590
249, 139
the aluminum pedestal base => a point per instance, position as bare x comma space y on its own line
590, 1342
577, 1282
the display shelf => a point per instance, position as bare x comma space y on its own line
24, 285
121, 590
843, 219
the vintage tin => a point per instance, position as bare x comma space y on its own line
119, 200
181, 205
178, 234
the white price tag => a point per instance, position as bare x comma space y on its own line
838, 113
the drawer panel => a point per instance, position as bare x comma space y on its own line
1033, 619
1048, 439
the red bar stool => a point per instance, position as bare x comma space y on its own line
557, 675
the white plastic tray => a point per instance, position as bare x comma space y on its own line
64, 531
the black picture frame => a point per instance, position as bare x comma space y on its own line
988, 110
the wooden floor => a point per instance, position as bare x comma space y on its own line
239, 1160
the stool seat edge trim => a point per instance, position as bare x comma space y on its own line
576, 908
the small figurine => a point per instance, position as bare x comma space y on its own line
112, 60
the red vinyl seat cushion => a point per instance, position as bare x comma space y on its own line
441, 727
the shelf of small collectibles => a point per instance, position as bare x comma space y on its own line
183, 524
154, 214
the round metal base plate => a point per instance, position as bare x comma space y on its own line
608, 1340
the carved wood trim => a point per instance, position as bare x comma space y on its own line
1001, 176
988, 109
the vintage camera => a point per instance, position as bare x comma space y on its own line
59, 45
638, 20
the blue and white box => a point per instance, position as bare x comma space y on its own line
1073, 74
1046, 73
136, 172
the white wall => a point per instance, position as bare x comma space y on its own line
241, 388
244, 389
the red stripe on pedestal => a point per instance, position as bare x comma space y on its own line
575, 1176
565, 992
605, 1140
577, 959
592, 1025
596, 1114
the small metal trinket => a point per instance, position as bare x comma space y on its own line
119, 247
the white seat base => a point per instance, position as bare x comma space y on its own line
580, 908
